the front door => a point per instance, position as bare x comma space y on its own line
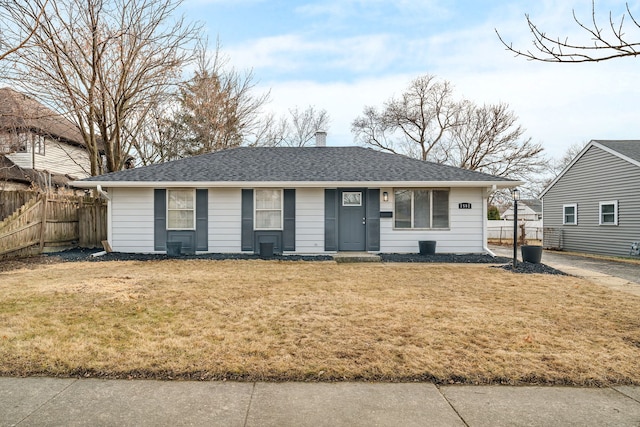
352, 220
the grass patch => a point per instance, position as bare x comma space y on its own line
315, 321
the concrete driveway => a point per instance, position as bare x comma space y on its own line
619, 275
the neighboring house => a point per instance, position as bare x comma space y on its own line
37, 146
307, 200
593, 206
528, 210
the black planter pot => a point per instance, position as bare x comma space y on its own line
531, 253
427, 247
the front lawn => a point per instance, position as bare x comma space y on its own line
317, 321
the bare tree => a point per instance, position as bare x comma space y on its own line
605, 42
304, 125
489, 139
297, 129
101, 62
9, 46
156, 137
217, 106
429, 124
413, 123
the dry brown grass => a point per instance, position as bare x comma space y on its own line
259, 320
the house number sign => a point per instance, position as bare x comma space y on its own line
464, 205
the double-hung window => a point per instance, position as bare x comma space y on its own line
421, 208
268, 209
570, 214
609, 213
181, 212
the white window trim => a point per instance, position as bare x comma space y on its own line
255, 209
615, 212
431, 227
193, 191
575, 214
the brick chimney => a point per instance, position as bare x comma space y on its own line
321, 138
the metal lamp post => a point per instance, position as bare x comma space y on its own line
515, 193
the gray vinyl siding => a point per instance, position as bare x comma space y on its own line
596, 177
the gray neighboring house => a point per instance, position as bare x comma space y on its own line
593, 206
304, 200
528, 210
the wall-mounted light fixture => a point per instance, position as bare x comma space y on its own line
385, 196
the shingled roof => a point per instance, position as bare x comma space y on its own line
10, 172
627, 148
19, 111
291, 165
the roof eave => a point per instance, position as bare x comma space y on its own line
297, 184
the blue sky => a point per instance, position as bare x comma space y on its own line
341, 55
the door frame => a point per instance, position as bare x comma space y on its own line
363, 209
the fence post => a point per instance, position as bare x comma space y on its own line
43, 224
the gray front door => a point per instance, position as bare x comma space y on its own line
352, 220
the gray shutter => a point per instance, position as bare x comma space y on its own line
373, 219
247, 220
160, 220
289, 224
202, 218
330, 219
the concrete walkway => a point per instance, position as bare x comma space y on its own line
615, 275
93, 402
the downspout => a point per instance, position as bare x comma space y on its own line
103, 193
106, 196
485, 200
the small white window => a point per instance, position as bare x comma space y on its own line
268, 209
570, 214
181, 212
609, 213
352, 198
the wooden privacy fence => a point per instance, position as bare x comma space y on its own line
92, 222
10, 201
49, 221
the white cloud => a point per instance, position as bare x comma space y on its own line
558, 104
290, 53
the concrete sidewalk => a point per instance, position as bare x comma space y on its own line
82, 402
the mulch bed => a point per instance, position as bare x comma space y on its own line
81, 254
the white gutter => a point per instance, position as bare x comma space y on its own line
297, 184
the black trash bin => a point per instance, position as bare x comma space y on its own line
427, 247
266, 250
174, 248
531, 253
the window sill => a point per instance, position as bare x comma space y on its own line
421, 229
